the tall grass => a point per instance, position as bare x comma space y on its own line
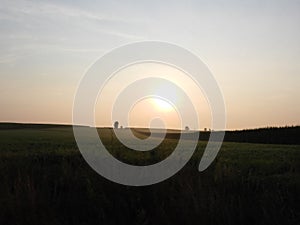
44, 180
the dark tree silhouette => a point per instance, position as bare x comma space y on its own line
267, 135
116, 124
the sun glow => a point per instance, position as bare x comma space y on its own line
162, 104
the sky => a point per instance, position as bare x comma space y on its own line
251, 47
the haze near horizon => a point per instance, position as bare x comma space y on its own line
252, 49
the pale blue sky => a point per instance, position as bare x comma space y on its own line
251, 47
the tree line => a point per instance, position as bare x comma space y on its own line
267, 135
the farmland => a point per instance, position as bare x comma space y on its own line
45, 180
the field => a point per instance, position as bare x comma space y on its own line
45, 180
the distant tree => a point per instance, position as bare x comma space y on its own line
116, 125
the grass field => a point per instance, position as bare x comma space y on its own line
45, 180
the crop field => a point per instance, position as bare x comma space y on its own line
45, 180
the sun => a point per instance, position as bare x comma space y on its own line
162, 104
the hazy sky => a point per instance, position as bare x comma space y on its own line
251, 47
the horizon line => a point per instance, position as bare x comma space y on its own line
134, 127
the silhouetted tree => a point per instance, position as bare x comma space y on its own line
116, 125
267, 135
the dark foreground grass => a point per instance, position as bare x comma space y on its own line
44, 180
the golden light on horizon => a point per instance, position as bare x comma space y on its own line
149, 109
153, 104
162, 105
